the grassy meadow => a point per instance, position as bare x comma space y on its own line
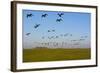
47, 54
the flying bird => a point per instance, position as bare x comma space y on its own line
66, 34
81, 39
84, 36
56, 36
44, 15
55, 44
60, 14
70, 34
52, 36
58, 20
49, 38
28, 34
53, 30
37, 25
48, 30
29, 15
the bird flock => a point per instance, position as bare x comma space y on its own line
43, 16
55, 44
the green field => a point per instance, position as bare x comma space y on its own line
45, 54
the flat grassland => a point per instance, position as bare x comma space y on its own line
47, 54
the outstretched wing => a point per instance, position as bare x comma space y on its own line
29, 15
37, 25
44, 15
60, 14
28, 34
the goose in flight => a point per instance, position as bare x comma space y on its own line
51, 30
37, 25
28, 34
60, 14
59, 20
29, 15
44, 15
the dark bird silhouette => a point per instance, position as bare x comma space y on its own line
66, 34
29, 15
49, 37
28, 34
44, 15
55, 44
52, 36
84, 36
45, 43
48, 30
58, 20
60, 14
81, 39
56, 36
53, 30
70, 34
37, 25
